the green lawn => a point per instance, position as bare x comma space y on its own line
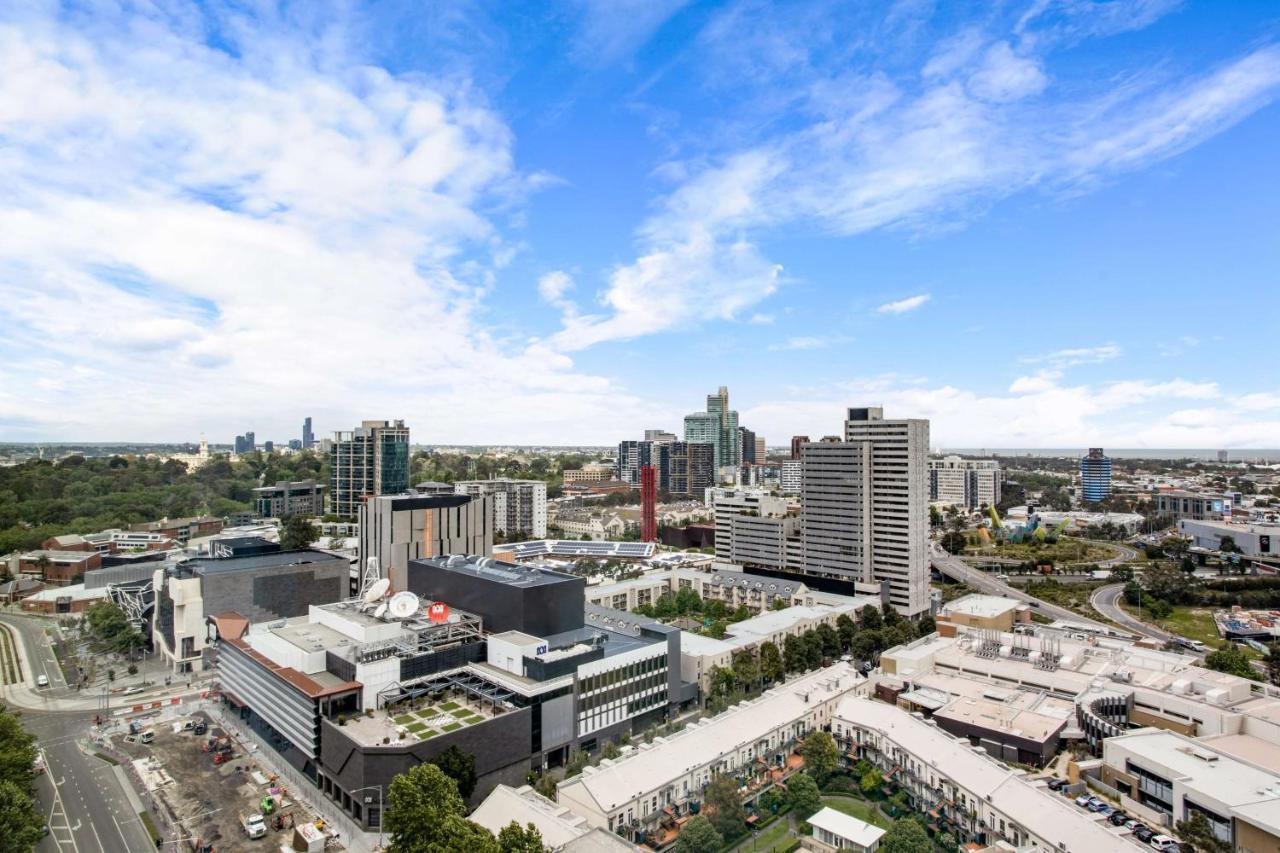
472, 720
416, 727
429, 733
452, 727
1194, 623
404, 719
776, 836
450, 706
428, 713
861, 809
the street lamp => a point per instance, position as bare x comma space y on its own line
377, 788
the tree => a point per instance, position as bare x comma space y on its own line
1227, 545
1273, 663
804, 795
905, 836
821, 755
793, 654
514, 839
1199, 832
812, 649
726, 812
17, 751
1167, 583
947, 842
846, 628
830, 640
954, 542
871, 781
745, 669
298, 533
771, 668
425, 812
722, 681
460, 767
21, 824
869, 618
1231, 659
699, 836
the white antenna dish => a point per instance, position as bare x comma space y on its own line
403, 605
377, 590
380, 610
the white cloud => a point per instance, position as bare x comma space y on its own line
1037, 412
902, 306
1005, 76
800, 343
1071, 357
197, 240
614, 29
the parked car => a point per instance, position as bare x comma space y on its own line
1117, 818
1083, 800
1132, 824
1165, 844
1106, 811
1056, 784
1096, 804
1144, 833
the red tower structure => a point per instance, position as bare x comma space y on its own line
648, 503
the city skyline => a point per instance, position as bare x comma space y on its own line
564, 227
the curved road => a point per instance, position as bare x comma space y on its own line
957, 569
1106, 600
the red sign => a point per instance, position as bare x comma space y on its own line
438, 611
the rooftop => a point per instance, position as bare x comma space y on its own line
504, 804
574, 548
276, 559
982, 606
615, 783
496, 571
846, 826
424, 719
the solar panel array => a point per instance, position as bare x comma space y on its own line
575, 548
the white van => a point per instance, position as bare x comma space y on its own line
42, 681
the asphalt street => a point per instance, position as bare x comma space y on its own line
1106, 600
89, 807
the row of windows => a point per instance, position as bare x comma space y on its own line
623, 673
617, 692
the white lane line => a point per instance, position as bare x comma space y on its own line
97, 838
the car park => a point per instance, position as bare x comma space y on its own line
1106, 811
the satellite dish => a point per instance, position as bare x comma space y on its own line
380, 610
379, 589
403, 605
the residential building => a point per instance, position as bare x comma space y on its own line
968, 483
372, 459
180, 530
747, 447
1253, 540
753, 740
395, 529
519, 506
660, 435
308, 436
562, 831
1095, 476
58, 567
833, 830
753, 528
790, 477
691, 468
797, 442
967, 793
1175, 776
865, 506
589, 474
299, 497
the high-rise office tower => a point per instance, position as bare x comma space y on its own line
372, 459
866, 506
718, 425
250, 442
691, 468
1095, 476
659, 435
400, 528
798, 441
308, 437
747, 446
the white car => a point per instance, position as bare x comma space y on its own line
1165, 843
42, 681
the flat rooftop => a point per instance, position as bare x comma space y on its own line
496, 571
982, 606
986, 714
421, 720
251, 562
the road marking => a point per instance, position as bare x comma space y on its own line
94, 830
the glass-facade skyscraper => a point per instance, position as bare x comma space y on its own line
1095, 476
370, 460
717, 426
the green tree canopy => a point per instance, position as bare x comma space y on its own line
725, 806
804, 796
699, 836
905, 836
514, 839
821, 755
1231, 659
425, 813
21, 825
771, 668
460, 767
297, 533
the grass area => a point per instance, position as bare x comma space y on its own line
429, 733
476, 718
428, 713
450, 706
106, 758
1065, 550
463, 712
403, 720
150, 826
416, 727
861, 809
452, 727
775, 837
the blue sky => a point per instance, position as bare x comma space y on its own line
1044, 223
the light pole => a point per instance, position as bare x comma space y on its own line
377, 788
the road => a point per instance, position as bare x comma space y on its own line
1106, 600
89, 807
957, 569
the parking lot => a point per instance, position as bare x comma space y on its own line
204, 783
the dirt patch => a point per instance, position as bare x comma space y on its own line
206, 799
